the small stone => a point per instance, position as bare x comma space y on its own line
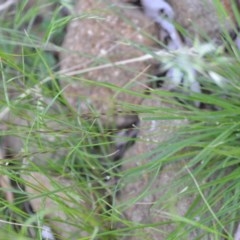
116, 32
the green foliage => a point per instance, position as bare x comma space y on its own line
57, 142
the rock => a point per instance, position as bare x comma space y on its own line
106, 32
201, 17
54, 197
148, 198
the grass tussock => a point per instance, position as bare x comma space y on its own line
62, 162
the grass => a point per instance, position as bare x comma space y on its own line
67, 158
